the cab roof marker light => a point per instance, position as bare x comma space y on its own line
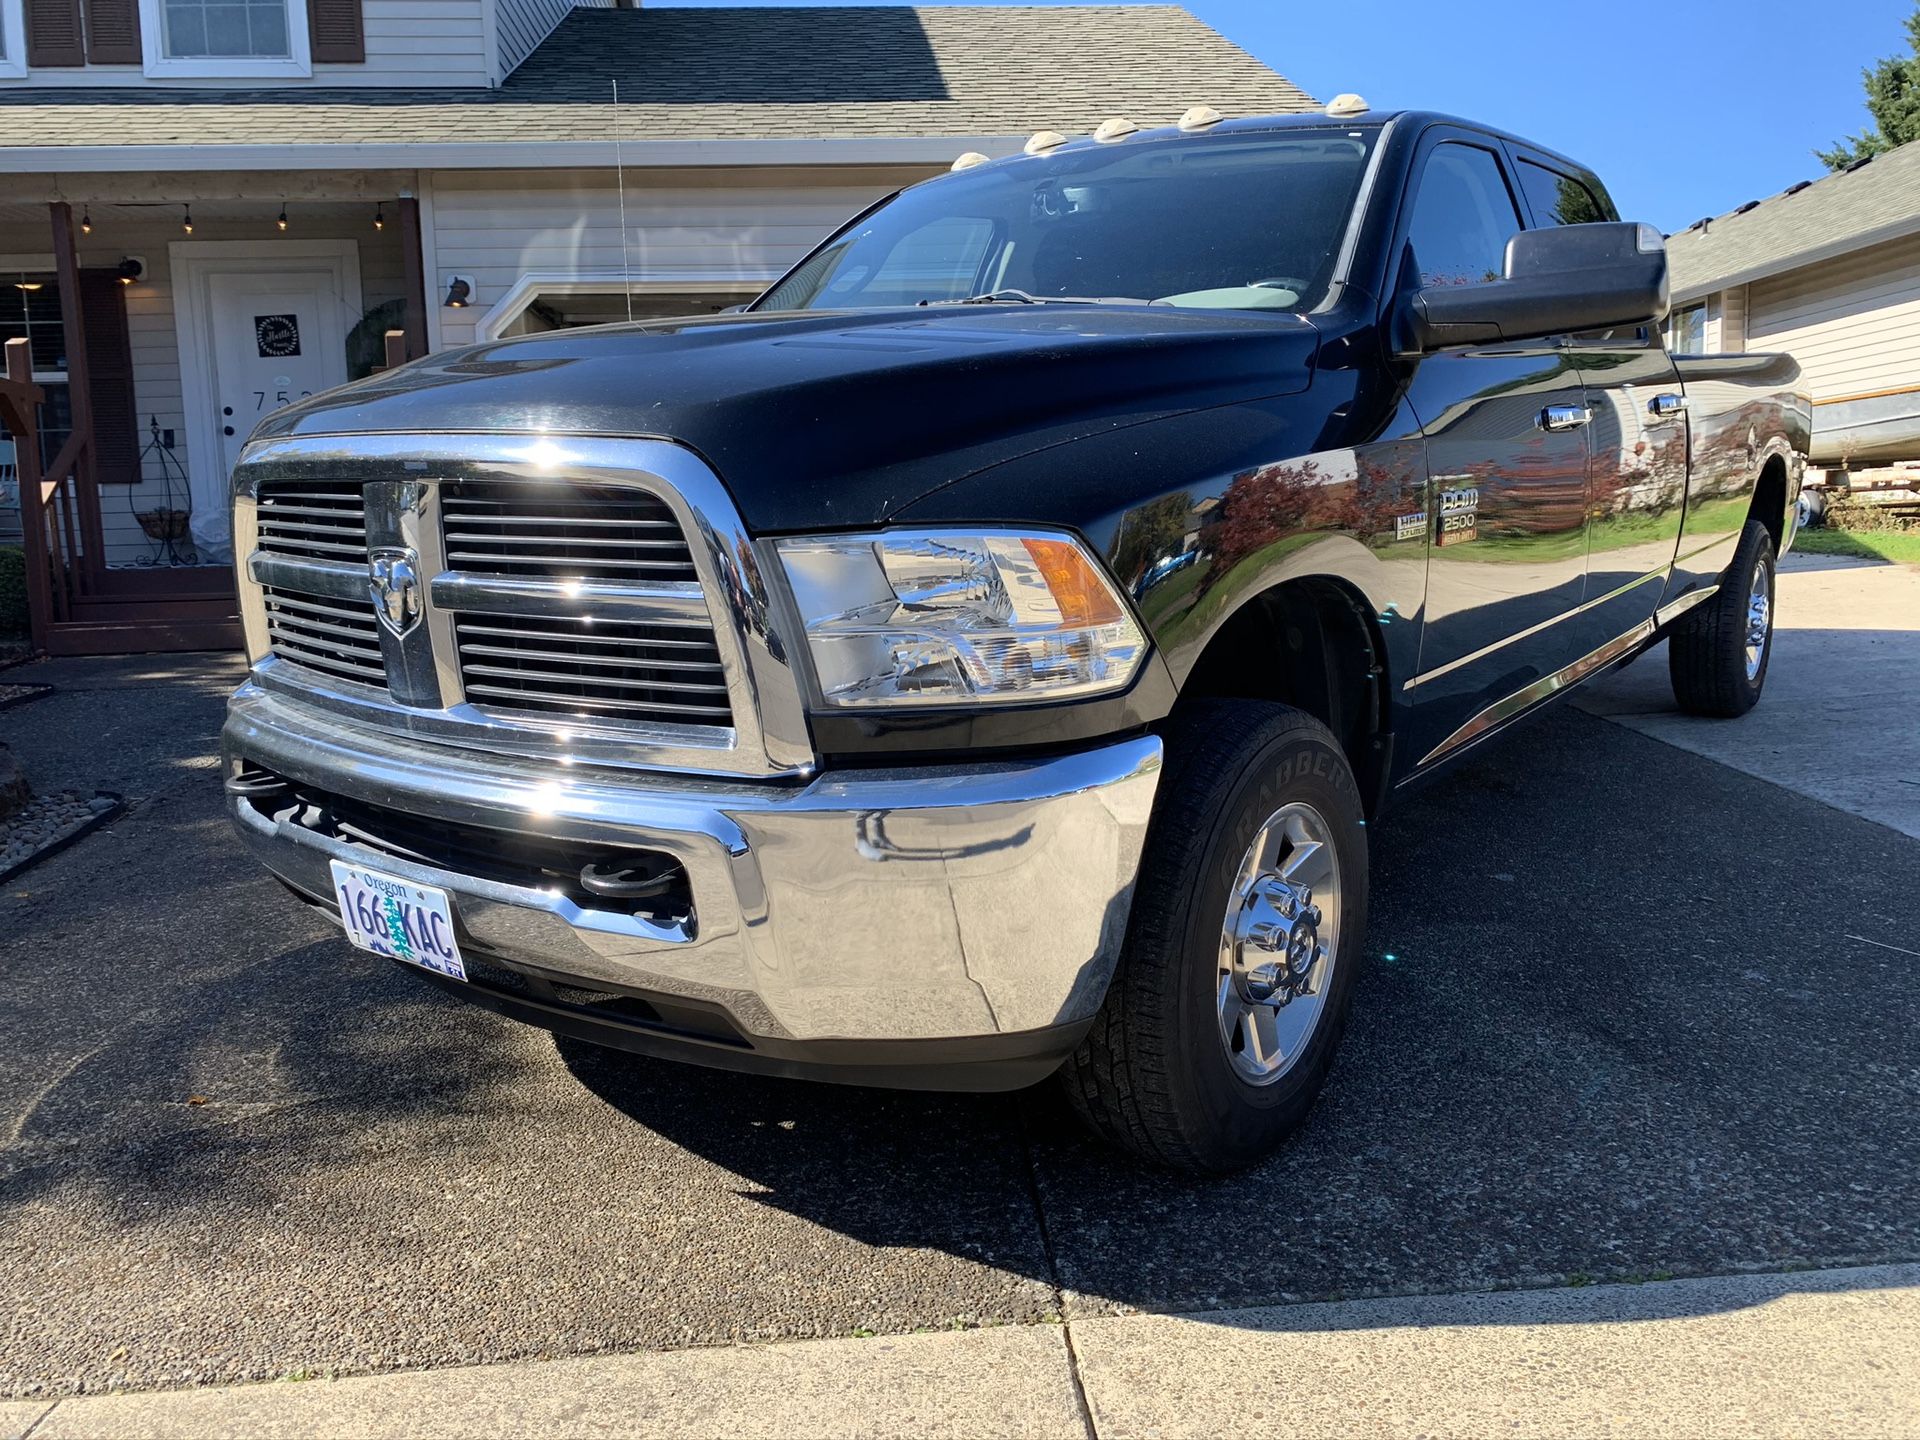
968, 161
1044, 140
1200, 117
1342, 106
1117, 127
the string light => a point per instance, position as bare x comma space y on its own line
380, 216
282, 221
186, 218
86, 220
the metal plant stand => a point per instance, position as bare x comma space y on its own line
167, 525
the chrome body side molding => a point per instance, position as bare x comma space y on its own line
1525, 698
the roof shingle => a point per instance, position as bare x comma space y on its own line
840, 72
1833, 215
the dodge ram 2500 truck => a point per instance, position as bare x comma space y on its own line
976, 659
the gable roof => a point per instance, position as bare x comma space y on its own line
809, 74
1832, 216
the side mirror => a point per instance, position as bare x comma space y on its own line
1558, 281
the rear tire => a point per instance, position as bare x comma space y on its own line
1718, 654
1234, 982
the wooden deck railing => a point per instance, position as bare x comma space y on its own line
50, 520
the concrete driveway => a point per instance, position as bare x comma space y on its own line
1841, 717
1611, 1027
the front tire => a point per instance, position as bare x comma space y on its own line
1718, 654
1245, 938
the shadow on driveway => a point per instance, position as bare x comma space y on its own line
1608, 1027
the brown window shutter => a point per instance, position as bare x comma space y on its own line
116, 418
113, 32
339, 37
53, 33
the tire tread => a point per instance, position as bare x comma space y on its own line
1111, 1079
1706, 653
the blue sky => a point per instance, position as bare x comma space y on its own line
1685, 107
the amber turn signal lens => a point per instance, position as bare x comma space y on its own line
1084, 599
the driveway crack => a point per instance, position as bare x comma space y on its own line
1053, 1279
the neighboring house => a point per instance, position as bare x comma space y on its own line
212, 209
1829, 272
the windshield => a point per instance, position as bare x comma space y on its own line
1218, 222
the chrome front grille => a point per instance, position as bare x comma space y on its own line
568, 532
338, 637
590, 598
617, 670
315, 519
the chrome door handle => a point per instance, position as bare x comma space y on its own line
1665, 407
1564, 417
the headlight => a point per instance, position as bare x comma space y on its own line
938, 617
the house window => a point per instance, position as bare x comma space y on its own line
13, 38
1687, 330
256, 29
30, 310
561, 305
220, 38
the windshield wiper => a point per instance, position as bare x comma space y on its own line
1011, 296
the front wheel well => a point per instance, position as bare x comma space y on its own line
1769, 505
1310, 643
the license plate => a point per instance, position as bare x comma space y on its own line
398, 919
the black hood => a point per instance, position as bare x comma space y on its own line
839, 418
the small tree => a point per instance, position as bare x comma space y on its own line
1893, 99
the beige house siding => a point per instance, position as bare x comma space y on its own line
751, 224
410, 43
1727, 321
1853, 323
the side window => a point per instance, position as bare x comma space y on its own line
1463, 217
1557, 199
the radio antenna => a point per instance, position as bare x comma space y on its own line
620, 181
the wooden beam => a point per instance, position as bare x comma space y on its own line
259, 188
414, 262
89, 564
66, 264
22, 423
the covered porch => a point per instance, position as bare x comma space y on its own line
151, 322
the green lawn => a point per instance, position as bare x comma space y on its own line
1900, 545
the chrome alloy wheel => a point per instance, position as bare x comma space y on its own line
1759, 620
1278, 943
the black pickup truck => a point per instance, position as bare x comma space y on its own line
977, 659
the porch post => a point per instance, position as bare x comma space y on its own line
21, 420
416, 277
66, 264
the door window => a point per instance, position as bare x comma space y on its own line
1463, 217
1558, 199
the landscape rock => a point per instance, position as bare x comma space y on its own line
15, 794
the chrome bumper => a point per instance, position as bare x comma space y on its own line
911, 904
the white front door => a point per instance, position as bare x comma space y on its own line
263, 331
278, 337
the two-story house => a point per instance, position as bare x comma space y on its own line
209, 208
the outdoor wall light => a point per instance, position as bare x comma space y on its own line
131, 269
459, 293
